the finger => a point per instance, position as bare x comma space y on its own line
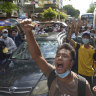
26, 21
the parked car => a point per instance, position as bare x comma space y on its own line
22, 76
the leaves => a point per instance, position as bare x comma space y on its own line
62, 15
91, 9
7, 7
49, 14
71, 11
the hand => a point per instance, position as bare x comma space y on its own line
94, 89
26, 25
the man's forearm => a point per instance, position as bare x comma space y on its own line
32, 44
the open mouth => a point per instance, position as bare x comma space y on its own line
59, 66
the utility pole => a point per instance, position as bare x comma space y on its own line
33, 6
33, 3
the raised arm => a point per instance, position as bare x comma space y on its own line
70, 31
34, 47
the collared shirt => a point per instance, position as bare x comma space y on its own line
85, 60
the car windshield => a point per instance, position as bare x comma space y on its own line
48, 49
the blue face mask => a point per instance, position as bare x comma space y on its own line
63, 75
5, 35
85, 40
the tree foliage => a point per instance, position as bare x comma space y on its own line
91, 9
7, 0
62, 15
8, 7
71, 11
49, 14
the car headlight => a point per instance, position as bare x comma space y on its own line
40, 88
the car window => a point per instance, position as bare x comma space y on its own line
48, 49
22, 52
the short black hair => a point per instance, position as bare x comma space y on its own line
67, 46
86, 34
14, 30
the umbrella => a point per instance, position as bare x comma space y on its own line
15, 22
5, 23
12, 21
9, 23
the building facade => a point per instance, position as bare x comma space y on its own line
59, 3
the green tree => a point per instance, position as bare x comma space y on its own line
49, 14
77, 13
8, 6
91, 9
70, 10
62, 15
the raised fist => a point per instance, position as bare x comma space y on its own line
26, 25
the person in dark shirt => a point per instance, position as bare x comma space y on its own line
3, 55
16, 37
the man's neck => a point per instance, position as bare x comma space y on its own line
66, 79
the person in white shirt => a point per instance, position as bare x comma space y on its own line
10, 44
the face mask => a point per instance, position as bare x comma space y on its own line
63, 75
5, 35
85, 40
92, 34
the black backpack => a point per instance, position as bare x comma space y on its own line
81, 83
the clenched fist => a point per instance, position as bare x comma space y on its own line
26, 25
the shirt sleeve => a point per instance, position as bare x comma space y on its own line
12, 45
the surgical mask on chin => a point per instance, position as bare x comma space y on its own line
85, 40
5, 35
63, 75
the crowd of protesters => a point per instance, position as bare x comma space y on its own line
10, 40
42, 28
66, 82
79, 35
82, 38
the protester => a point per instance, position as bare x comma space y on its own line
66, 81
16, 37
3, 55
93, 38
85, 56
92, 32
10, 44
94, 90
